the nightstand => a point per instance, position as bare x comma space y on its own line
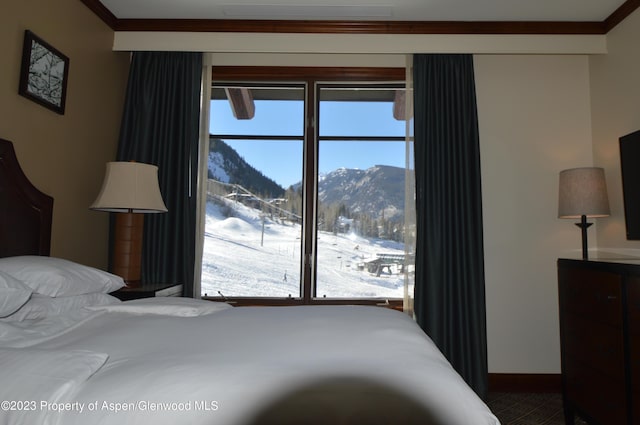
148, 291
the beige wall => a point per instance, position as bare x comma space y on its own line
534, 118
539, 115
65, 155
615, 96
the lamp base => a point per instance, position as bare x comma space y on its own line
127, 247
584, 226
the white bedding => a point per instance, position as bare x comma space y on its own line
226, 365
38, 381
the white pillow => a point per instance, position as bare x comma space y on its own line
56, 277
13, 294
43, 306
165, 306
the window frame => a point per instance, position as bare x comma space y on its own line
309, 76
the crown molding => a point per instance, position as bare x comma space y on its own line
358, 27
102, 12
626, 9
363, 27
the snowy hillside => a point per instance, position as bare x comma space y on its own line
243, 257
226, 166
216, 167
377, 191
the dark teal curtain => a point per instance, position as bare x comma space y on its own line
160, 126
450, 290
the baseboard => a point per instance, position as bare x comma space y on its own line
525, 382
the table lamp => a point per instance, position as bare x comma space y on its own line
129, 189
582, 194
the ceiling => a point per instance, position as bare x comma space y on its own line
366, 16
365, 10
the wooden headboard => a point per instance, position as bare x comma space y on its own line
25, 212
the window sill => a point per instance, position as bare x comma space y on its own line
395, 304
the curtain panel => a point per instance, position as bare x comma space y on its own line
160, 126
450, 288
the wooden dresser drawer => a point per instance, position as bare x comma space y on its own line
603, 396
597, 345
592, 293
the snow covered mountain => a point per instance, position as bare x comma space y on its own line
377, 192
226, 166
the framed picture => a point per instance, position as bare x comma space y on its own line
43, 77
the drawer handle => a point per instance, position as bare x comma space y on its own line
612, 297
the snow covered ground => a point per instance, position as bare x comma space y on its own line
240, 259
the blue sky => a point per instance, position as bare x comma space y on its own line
282, 160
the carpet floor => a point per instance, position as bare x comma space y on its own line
528, 408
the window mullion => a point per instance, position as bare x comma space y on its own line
310, 184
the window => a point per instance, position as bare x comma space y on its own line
306, 199
253, 236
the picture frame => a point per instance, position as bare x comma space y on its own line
44, 73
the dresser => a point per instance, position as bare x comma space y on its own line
599, 306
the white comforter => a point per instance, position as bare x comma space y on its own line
147, 365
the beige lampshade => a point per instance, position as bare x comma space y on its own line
130, 187
583, 191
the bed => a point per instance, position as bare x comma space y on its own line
72, 354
